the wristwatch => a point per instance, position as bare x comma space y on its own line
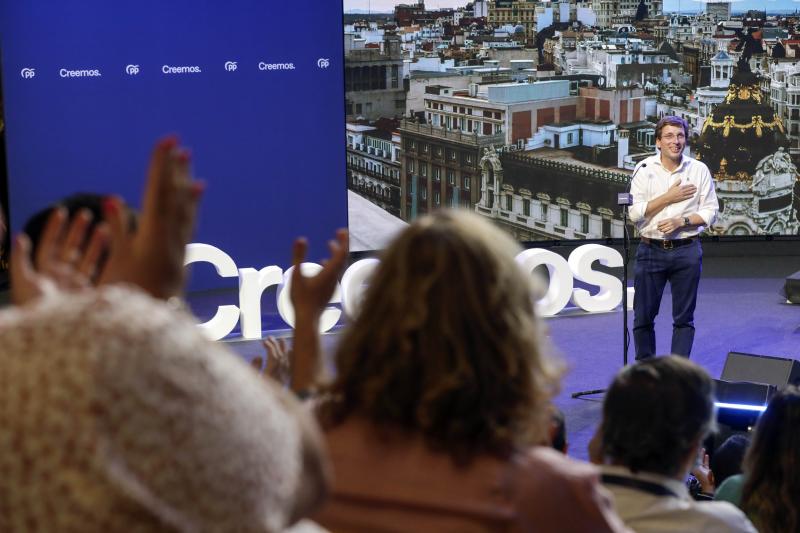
686, 222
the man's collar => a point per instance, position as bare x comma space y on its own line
684, 161
673, 485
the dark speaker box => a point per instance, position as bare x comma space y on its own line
730, 418
791, 288
766, 369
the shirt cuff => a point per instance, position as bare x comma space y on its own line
636, 211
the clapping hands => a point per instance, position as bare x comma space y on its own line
150, 257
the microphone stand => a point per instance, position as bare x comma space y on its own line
624, 200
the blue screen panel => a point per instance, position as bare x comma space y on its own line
256, 91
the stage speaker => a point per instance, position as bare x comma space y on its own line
739, 404
791, 288
766, 369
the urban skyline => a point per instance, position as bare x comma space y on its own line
387, 6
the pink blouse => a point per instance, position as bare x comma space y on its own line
399, 484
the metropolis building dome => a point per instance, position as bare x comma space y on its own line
744, 145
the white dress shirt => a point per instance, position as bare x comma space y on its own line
651, 179
646, 512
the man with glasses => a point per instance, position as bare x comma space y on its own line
673, 201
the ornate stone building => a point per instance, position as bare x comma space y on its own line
744, 144
538, 195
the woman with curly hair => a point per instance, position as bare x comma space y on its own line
441, 396
771, 479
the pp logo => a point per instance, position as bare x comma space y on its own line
231, 66
323, 62
132, 70
28, 73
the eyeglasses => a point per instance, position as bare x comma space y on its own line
673, 136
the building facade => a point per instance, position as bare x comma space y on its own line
373, 165
536, 197
440, 167
374, 81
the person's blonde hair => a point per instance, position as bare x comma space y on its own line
447, 343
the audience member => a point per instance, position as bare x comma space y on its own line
118, 415
771, 480
655, 416
729, 457
89, 207
441, 393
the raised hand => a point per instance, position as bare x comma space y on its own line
704, 475
279, 360
309, 296
152, 256
64, 260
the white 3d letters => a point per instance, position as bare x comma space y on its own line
253, 283
354, 285
560, 288
227, 316
580, 262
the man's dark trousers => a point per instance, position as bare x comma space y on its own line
656, 265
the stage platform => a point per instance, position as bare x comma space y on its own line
739, 308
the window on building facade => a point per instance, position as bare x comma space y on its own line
564, 217
570, 138
526, 207
584, 223
423, 169
424, 147
509, 202
423, 193
359, 109
451, 154
451, 176
410, 165
436, 197
466, 183
545, 208
436, 173
491, 199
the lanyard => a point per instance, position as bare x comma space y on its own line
638, 484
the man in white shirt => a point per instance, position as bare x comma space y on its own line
655, 416
673, 202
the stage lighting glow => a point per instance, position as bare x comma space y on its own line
740, 406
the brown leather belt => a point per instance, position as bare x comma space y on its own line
668, 244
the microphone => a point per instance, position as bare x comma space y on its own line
626, 198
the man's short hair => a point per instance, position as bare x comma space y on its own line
671, 120
655, 412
